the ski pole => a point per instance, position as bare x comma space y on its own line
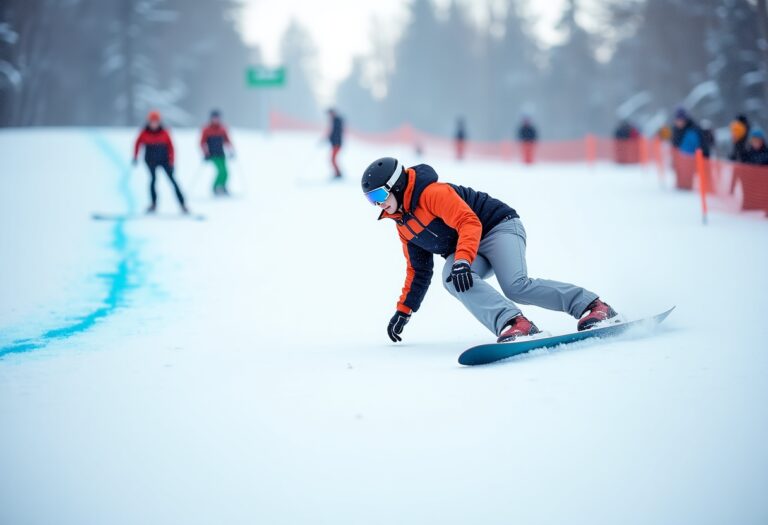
196, 177
240, 175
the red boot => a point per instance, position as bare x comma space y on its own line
517, 327
596, 312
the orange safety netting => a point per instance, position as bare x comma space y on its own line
734, 186
588, 149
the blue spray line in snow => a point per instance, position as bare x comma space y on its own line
120, 281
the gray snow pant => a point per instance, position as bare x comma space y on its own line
502, 251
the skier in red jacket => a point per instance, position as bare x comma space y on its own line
158, 152
213, 142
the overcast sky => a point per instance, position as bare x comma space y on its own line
341, 29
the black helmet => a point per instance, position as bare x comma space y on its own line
386, 172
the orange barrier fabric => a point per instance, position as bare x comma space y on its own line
702, 170
733, 187
736, 186
590, 148
627, 151
743, 184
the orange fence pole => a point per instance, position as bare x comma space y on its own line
716, 175
659, 157
643, 151
702, 184
591, 148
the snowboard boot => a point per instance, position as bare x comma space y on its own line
516, 327
152, 208
596, 312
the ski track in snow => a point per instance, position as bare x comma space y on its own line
124, 277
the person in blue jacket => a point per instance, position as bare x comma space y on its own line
758, 151
687, 135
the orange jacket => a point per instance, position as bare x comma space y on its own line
443, 219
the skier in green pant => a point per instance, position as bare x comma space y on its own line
213, 141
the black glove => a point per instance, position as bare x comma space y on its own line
396, 325
461, 275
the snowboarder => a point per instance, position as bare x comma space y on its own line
158, 152
478, 236
212, 142
460, 138
527, 135
335, 137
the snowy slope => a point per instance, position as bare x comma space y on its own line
237, 370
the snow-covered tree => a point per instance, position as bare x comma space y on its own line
355, 99
298, 55
513, 75
574, 104
211, 60
709, 56
737, 61
412, 80
87, 62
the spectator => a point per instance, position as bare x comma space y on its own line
739, 137
707, 138
627, 143
758, 151
460, 137
528, 135
335, 138
686, 135
665, 133
623, 132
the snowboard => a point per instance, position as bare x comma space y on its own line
489, 353
146, 216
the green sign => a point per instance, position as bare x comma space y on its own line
265, 77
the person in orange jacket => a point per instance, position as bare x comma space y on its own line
478, 236
158, 152
740, 137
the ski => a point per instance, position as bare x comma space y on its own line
492, 352
146, 216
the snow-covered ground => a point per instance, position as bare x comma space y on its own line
237, 370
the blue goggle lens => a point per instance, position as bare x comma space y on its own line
377, 196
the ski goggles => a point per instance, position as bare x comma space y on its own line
380, 194
377, 196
